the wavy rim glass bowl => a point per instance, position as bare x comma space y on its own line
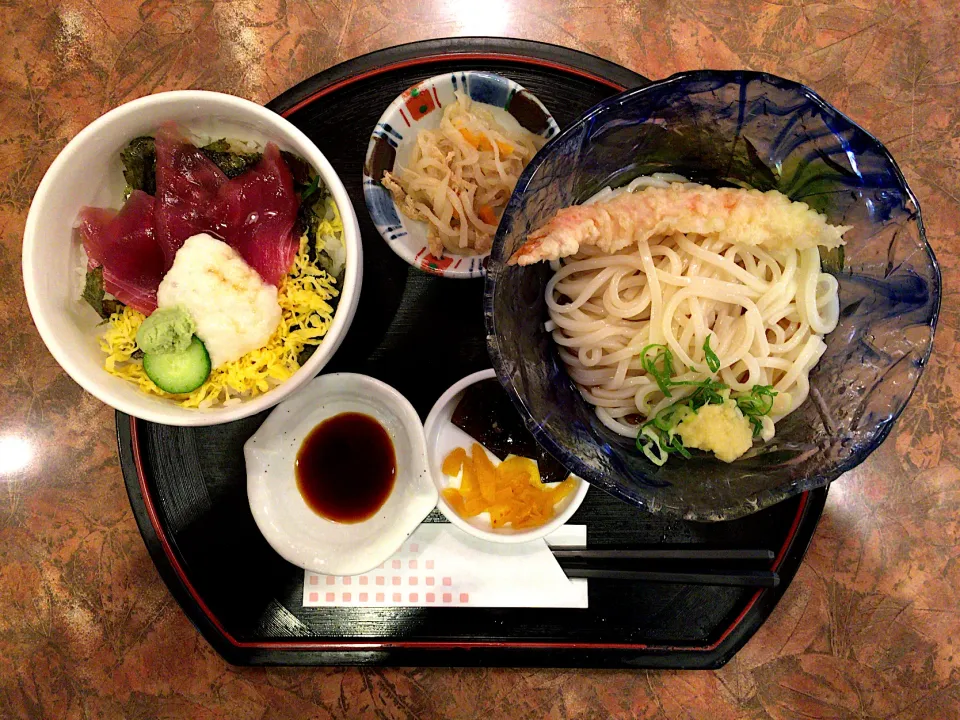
723, 128
87, 172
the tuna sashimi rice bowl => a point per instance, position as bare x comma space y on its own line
191, 258
219, 275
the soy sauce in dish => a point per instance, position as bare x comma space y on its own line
346, 467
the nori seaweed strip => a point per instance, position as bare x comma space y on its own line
307, 221
306, 354
486, 414
308, 186
139, 160
93, 293
230, 163
303, 173
312, 193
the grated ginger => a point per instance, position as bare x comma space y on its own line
720, 429
304, 297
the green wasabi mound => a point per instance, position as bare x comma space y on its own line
166, 331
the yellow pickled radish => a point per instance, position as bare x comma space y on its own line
510, 492
453, 463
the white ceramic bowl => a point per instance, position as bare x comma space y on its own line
443, 436
88, 172
420, 108
296, 532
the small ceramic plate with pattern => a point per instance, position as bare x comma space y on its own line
419, 108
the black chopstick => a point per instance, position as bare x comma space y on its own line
681, 565
742, 578
684, 554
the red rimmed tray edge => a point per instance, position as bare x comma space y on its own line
464, 48
427, 59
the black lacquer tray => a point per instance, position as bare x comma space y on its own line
188, 489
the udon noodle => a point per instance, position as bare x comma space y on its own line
460, 176
765, 314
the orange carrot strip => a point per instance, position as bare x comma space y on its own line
485, 213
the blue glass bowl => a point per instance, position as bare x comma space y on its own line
729, 128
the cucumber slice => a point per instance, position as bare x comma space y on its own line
180, 372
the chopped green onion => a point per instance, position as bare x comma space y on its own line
759, 401
676, 443
647, 440
755, 404
668, 418
713, 362
707, 394
658, 437
660, 367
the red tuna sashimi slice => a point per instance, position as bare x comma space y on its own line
125, 245
187, 187
257, 212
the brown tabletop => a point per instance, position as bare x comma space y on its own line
870, 627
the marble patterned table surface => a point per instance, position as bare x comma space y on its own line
869, 628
